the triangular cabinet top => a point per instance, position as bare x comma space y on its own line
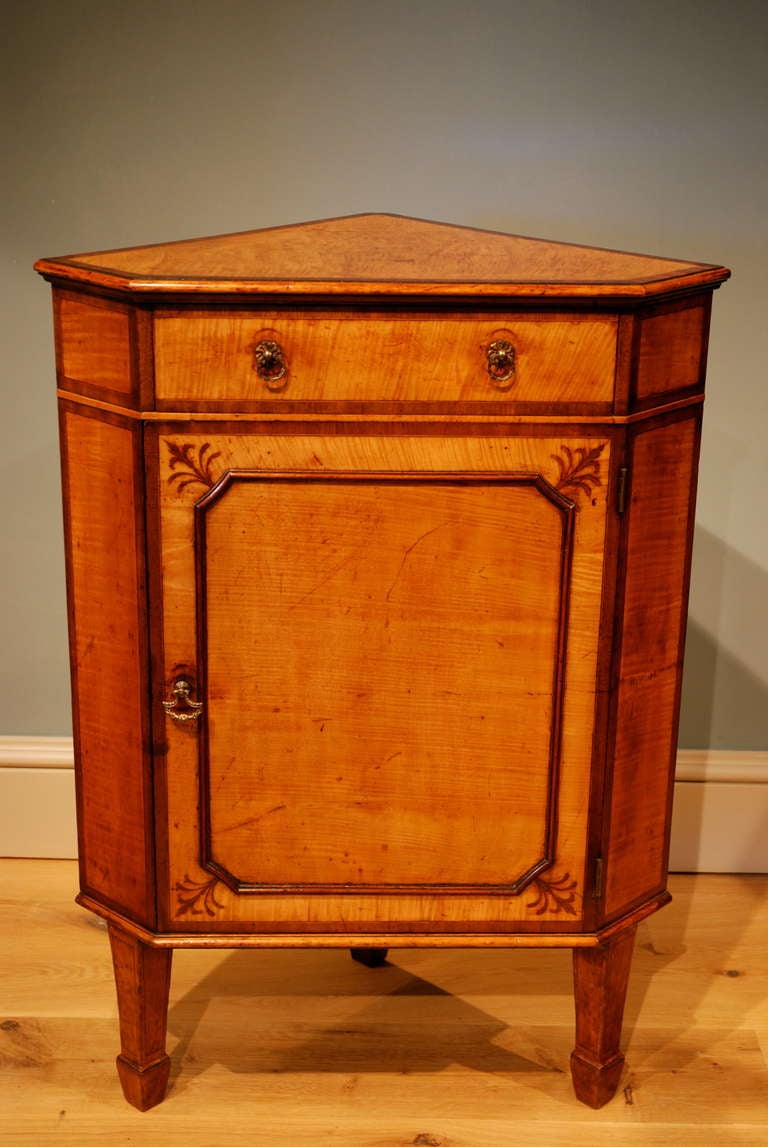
382, 255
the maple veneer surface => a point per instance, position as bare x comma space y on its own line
378, 546
343, 255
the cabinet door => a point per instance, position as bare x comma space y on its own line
394, 643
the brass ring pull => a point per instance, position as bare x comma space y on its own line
182, 707
500, 356
270, 364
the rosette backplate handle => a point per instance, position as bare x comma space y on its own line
270, 364
500, 360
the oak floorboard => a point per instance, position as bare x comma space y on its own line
435, 1049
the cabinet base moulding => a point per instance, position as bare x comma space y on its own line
374, 941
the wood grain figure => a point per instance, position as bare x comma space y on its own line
378, 538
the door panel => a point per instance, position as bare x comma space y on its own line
381, 677
394, 642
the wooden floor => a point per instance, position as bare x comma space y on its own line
438, 1049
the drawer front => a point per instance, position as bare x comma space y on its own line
208, 360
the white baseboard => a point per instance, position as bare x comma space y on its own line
37, 797
36, 753
719, 823
721, 812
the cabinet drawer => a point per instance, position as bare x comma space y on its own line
208, 359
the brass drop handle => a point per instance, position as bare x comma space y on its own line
182, 707
500, 356
269, 363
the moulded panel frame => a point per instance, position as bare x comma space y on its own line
567, 510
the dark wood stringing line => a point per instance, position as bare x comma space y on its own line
197, 428
567, 509
356, 406
505, 286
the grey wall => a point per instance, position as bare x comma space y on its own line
638, 126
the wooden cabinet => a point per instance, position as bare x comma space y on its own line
378, 539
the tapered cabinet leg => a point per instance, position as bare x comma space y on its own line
600, 977
142, 978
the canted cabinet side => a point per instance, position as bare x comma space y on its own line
653, 603
103, 482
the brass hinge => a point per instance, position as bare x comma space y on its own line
621, 490
597, 886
